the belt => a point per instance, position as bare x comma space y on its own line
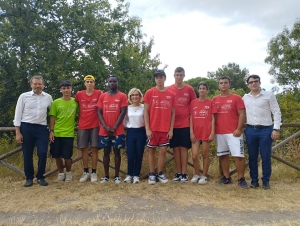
258, 126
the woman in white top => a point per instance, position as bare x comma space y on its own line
136, 135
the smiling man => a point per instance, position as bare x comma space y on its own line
31, 128
260, 131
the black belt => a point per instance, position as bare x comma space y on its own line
258, 126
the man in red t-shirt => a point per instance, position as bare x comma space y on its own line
229, 122
159, 114
181, 141
88, 126
111, 112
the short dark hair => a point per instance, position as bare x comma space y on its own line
253, 76
179, 69
37, 77
202, 84
113, 76
64, 83
224, 77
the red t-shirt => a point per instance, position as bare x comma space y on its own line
201, 113
227, 116
184, 97
111, 109
160, 108
88, 117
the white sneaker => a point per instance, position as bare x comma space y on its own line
162, 178
94, 177
195, 179
202, 180
85, 177
151, 178
104, 180
68, 177
128, 179
136, 179
117, 180
60, 177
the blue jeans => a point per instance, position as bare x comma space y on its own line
34, 135
135, 141
259, 139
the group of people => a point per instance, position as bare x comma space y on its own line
165, 116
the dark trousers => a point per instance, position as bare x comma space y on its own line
259, 141
34, 135
135, 141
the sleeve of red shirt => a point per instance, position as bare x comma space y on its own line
124, 102
193, 94
146, 97
174, 102
76, 96
239, 103
100, 101
213, 108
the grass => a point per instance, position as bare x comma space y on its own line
75, 196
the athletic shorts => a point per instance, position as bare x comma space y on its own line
227, 143
87, 137
114, 141
159, 139
181, 138
62, 147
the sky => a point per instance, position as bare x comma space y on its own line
203, 35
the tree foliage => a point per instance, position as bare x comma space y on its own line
237, 76
284, 57
62, 39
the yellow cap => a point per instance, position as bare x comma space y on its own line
89, 77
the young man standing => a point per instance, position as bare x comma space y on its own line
181, 141
62, 122
111, 112
260, 131
31, 128
229, 122
159, 114
88, 126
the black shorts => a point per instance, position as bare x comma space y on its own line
62, 147
181, 138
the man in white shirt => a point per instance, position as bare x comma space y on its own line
31, 128
260, 130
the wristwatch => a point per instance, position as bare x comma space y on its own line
276, 130
51, 130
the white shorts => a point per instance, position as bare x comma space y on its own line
227, 143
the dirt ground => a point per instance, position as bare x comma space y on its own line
152, 204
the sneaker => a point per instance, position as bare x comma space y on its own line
225, 180
60, 177
128, 179
136, 179
242, 183
117, 180
202, 180
42, 182
104, 180
94, 177
177, 177
68, 177
85, 177
184, 178
254, 184
151, 178
266, 185
28, 183
162, 178
195, 179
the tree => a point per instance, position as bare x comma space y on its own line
284, 57
68, 40
237, 76
212, 84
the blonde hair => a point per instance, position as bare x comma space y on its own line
132, 91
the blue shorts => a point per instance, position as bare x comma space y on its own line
114, 141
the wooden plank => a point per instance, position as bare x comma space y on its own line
18, 149
10, 166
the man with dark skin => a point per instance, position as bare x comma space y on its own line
111, 112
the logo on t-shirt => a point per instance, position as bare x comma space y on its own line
186, 94
168, 97
225, 108
182, 101
117, 100
200, 114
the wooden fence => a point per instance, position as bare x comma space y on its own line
279, 145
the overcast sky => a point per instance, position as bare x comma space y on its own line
201, 36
